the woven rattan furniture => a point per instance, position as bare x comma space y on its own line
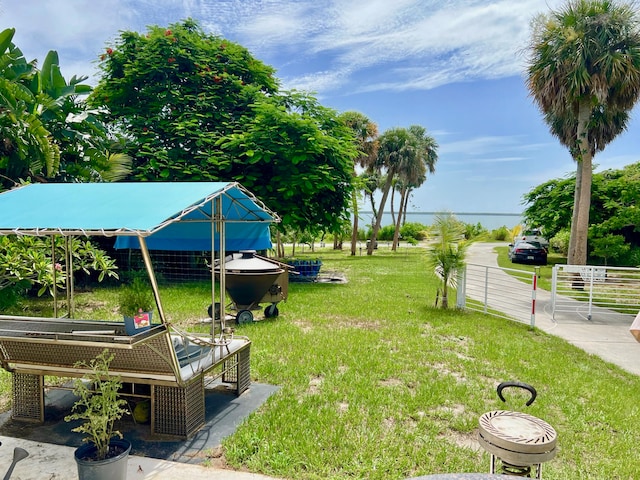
174, 364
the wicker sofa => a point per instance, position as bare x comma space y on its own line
174, 364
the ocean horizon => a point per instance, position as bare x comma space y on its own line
490, 221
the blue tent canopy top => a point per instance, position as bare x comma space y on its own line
171, 216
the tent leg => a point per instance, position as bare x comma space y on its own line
152, 277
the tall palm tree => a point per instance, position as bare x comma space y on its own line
394, 150
606, 125
413, 171
366, 133
584, 74
402, 151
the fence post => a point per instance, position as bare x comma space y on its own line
534, 291
593, 271
461, 290
554, 289
486, 289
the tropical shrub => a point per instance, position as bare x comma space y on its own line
472, 231
501, 234
25, 262
560, 241
386, 233
413, 231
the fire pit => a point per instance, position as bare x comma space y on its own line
251, 280
520, 442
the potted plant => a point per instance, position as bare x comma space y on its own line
136, 304
105, 453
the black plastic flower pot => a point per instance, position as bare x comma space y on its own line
111, 468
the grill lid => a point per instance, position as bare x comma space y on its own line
517, 437
247, 261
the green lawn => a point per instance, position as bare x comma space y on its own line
545, 271
378, 384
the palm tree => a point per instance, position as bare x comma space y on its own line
448, 253
366, 133
394, 150
414, 171
584, 74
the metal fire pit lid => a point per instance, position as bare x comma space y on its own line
504, 432
246, 261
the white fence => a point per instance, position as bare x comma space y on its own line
611, 290
502, 292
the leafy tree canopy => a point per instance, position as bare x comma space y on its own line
614, 211
46, 131
197, 107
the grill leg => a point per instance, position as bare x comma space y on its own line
492, 464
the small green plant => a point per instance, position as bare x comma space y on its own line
98, 404
448, 252
135, 297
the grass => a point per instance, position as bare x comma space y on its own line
378, 384
545, 271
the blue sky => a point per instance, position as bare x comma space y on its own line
455, 67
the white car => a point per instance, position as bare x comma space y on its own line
533, 235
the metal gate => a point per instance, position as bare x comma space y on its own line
502, 292
610, 290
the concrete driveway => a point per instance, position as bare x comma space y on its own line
604, 335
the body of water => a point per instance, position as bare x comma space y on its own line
490, 221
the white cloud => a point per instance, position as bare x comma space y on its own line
421, 44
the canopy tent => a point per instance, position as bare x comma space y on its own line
207, 216
174, 216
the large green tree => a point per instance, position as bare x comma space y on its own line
198, 107
584, 74
614, 214
298, 158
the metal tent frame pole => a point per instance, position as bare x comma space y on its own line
152, 277
218, 222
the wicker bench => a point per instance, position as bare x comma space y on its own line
174, 364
